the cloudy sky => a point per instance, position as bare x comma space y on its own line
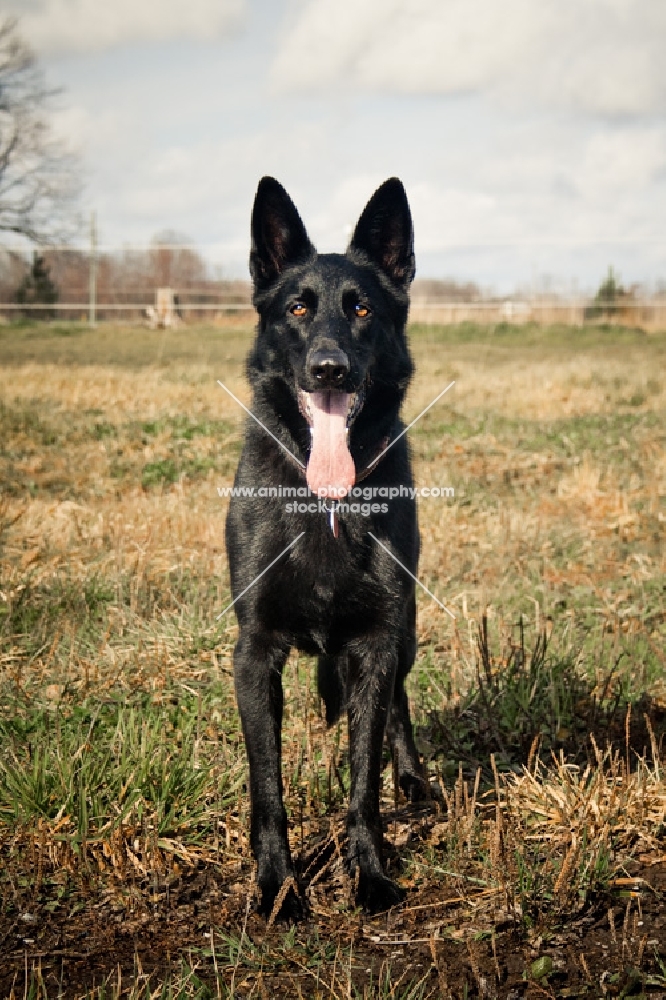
530, 134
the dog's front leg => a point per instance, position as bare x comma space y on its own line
258, 663
370, 686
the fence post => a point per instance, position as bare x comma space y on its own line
92, 275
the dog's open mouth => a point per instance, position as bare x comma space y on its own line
330, 469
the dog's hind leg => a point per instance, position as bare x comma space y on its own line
370, 686
258, 662
331, 684
399, 730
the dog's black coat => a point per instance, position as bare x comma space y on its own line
344, 599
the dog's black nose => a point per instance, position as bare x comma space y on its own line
328, 367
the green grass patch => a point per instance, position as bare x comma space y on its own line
556, 336
159, 473
113, 764
125, 345
609, 434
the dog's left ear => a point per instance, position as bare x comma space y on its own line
384, 233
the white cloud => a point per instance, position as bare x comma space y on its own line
80, 129
93, 25
538, 193
500, 189
603, 56
564, 187
618, 163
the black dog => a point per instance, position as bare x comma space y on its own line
329, 369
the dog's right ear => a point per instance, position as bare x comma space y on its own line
278, 234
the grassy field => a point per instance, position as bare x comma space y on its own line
539, 868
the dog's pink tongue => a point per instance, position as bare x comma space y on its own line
330, 471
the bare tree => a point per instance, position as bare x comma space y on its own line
38, 175
173, 261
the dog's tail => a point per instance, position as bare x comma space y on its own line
331, 684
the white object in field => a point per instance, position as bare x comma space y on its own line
165, 312
516, 310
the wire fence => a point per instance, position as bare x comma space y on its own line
169, 282
647, 314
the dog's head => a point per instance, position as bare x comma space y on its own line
331, 353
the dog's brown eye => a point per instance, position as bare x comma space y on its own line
361, 311
298, 309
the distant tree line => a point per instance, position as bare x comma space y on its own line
127, 277
445, 290
130, 276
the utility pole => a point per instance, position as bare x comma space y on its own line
92, 276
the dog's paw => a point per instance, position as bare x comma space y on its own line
376, 893
281, 902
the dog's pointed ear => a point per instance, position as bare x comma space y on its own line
278, 234
384, 233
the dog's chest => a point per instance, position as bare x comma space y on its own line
327, 608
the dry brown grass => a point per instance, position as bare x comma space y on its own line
557, 458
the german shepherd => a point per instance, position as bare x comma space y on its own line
329, 369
